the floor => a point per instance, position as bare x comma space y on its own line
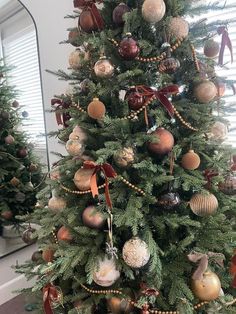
15, 306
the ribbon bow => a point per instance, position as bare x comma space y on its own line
61, 117
108, 172
83, 3
145, 290
225, 41
209, 174
203, 260
51, 296
91, 6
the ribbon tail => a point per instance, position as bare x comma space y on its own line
97, 17
58, 118
107, 194
202, 267
166, 103
94, 186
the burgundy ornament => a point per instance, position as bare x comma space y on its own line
128, 48
164, 144
169, 65
118, 13
134, 98
22, 152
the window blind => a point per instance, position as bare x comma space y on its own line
21, 52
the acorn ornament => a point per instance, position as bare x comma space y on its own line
106, 274
56, 204
128, 48
124, 157
119, 12
96, 109
205, 91
178, 27
93, 218
82, 179
208, 288
64, 234
164, 143
76, 57
74, 147
211, 48
103, 68
28, 236
136, 253
153, 10
203, 205
228, 187
191, 160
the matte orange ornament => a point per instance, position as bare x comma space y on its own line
191, 160
63, 234
164, 144
96, 109
208, 288
48, 255
82, 179
92, 218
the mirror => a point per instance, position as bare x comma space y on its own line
19, 50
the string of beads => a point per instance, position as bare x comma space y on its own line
195, 59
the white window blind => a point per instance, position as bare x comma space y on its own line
21, 52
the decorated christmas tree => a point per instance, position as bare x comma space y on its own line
139, 216
20, 173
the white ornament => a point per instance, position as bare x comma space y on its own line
107, 273
219, 131
135, 253
153, 10
178, 27
74, 147
56, 204
76, 57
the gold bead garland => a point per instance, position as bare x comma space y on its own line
80, 192
186, 124
197, 66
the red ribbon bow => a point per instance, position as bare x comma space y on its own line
50, 295
209, 174
61, 117
108, 172
145, 290
226, 41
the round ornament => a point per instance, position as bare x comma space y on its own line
28, 236
203, 205
135, 253
36, 256
48, 255
164, 144
25, 114
153, 10
119, 306
78, 134
219, 131
128, 48
20, 197
107, 273
119, 12
84, 85
4, 115
208, 288
7, 214
211, 48
72, 37
220, 88
74, 147
87, 21
178, 27
9, 139
191, 160
92, 218
134, 98
96, 109
14, 181
15, 104
228, 187
103, 68
55, 174
56, 204
82, 179
169, 65
64, 234
124, 157
169, 201
23, 152
76, 58
33, 167
205, 91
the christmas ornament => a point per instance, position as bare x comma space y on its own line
15, 104
118, 306
124, 157
119, 12
135, 99
7, 214
28, 236
219, 131
72, 36
48, 255
169, 65
203, 204
36, 256
20, 197
103, 68
178, 27
169, 200
191, 160
9, 139
205, 91
25, 114
228, 187
14, 181
55, 174
164, 144
4, 115
74, 147
76, 57
211, 48
57, 204
208, 288
135, 253
153, 10
96, 109
78, 134
64, 234
84, 85
82, 179
128, 47
52, 298
220, 88
33, 167
92, 218
22, 152
90, 19
107, 273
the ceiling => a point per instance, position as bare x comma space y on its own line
3, 2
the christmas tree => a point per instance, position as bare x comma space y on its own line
20, 172
141, 218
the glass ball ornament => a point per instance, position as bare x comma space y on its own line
87, 21
178, 27
204, 205
164, 144
211, 48
128, 48
153, 10
28, 236
103, 68
228, 187
208, 288
106, 274
57, 204
219, 131
134, 98
205, 91
82, 179
93, 218
169, 65
136, 253
169, 201
118, 13
124, 157
48, 255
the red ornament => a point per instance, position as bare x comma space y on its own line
128, 48
118, 13
63, 234
134, 98
22, 152
90, 19
164, 144
233, 167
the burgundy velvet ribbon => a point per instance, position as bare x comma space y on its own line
145, 290
83, 3
226, 41
96, 15
50, 295
61, 117
209, 174
108, 172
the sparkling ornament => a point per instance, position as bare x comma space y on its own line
15, 104
57, 204
103, 68
124, 157
82, 179
9, 139
119, 12
211, 48
48, 255
20, 197
76, 57
203, 205
64, 234
178, 27
87, 21
191, 160
25, 114
96, 109
119, 306
73, 35
107, 273
36, 256
134, 98
7, 214
228, 187
128, 48
28, 236
164, 144
135, 253
23, 152
205, 91
92, 218
169, 200
74, 147
153, 10
14, 181
169, 65
208, 288
219, 131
